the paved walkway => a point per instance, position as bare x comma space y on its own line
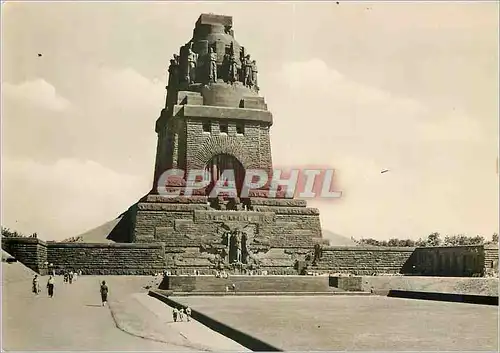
75, 320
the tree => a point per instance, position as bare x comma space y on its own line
461, 240
494, 238
433, 239
6, 232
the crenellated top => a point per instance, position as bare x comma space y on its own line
213, 57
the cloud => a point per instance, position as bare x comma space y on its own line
111, 121
452, 126
323, 117
38, 92
79, 167
65, 171
65, 198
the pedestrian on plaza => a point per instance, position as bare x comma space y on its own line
181, 314
36, 285
50, 286
75, 276
175, 314
188, 313
70, 277
104, 293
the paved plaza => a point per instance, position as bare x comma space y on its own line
75, 320
356, 323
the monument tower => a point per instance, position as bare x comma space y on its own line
215, 120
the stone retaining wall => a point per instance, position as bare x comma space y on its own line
148, 258
363, 260
383, 284
31, 252
449, 261
90, 258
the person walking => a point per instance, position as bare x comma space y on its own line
175, 314
70, 276
181, 314
50, 286
104, 293
188, 313
36, 285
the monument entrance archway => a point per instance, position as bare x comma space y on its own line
221, 163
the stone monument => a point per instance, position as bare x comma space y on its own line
214, 120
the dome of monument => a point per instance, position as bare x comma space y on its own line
214, 64
225, 95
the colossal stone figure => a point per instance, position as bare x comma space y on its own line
254, 74
233, 65
247, 71
233, 69
212, 74
317, 253
237, 244
190, 59
173, 70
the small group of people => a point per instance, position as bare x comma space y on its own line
71, 276
51, 284
221, 274
179, 314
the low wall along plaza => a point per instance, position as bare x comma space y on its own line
149, 258
94, 259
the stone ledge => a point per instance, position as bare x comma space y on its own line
107, 246
287, 210
31, 241
222, 216
171, 207
278, 202
177, 199
204, 111
368, 248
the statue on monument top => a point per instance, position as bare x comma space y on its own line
189, 59
254, 74
212, 73
233, 65
247, 71
173, 70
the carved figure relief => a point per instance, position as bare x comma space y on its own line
189, 61
173, 70
254, 74
317, 254
233, 65
212, 74
247, 71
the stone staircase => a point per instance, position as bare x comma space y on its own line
250, 284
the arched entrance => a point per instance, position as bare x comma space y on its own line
222, 162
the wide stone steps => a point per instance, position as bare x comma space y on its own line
303, 284
200, 294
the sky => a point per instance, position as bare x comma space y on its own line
359, 87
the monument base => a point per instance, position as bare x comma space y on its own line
272, 235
